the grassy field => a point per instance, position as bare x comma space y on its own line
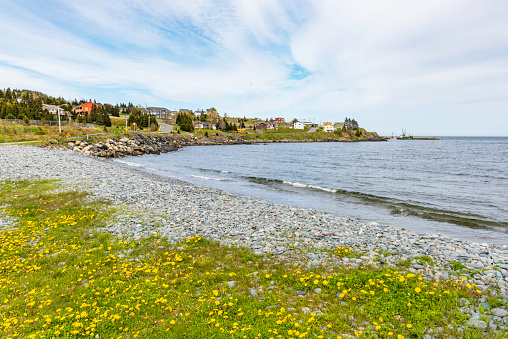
12, 132
292, 136
60, 277
117, 122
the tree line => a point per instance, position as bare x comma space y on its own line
28, 105
18, 104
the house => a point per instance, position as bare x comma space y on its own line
327, 127
199, 114
77, 109
197, 124
264, 125
87, 108
158, 112
209, 125
298, 125
53, 109
280, 120
211, 113
338, 126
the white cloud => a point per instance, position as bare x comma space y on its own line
385, 63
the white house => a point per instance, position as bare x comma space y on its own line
53, 109
298, 125
208, 125
197, 124
199, 114
327, 127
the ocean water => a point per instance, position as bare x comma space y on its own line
456, 186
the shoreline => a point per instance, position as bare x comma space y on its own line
140, 144
150, 204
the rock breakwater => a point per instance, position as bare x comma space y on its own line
140, 144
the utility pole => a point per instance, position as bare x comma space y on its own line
59, 125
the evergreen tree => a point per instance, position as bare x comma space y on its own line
105, 119
135, 118
185, 122
94, 114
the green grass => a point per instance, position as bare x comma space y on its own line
62, 278
283, 130
292, 136
425, 259
299, 135
457, 266
13, 132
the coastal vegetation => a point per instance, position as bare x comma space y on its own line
184, 120
61, 276
17, 132
141, 120
286, 134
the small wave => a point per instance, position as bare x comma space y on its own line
212, 170
155, 169
300, 185
133, 164
295, 184
208, 178
396, 206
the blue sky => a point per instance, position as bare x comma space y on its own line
430, 67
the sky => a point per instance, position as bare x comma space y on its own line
434, 67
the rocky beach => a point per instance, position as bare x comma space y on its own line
150, 143
149, 204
